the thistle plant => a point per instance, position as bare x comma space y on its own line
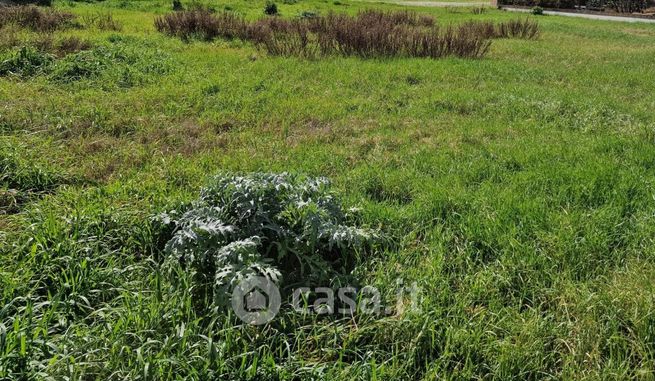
278, 226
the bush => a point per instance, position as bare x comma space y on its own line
537, 11
36, 19
270, 9
277, 226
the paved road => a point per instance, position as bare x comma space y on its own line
586, 15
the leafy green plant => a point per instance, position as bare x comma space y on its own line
271, 8
278, 226
537, 11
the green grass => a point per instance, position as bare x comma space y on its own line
519, 189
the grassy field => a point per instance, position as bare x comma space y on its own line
518, 189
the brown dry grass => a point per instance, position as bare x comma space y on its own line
36, 19
369, 34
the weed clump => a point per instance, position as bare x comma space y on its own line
70, 45
60, 47
270, 225
36, 19
524, 29
379, 34
115, 64
21, 178
70, 60
26, 62
202, 24
101, 21
369, 34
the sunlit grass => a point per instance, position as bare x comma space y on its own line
518, 189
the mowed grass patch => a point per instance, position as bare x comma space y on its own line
518, 190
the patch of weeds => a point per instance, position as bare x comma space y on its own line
46, 44
117, 64
71, 45
387, 189
36, 19
211, 90
412, 80
101, 21
277, 226
308, 14
520, 28
202, 24
83, 65
25, 62
369, 34
9, 38
460, 107
22, 178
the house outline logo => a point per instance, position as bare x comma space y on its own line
256, 300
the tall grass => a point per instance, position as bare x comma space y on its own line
519, 28
35, 18
202, 24
368, 34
